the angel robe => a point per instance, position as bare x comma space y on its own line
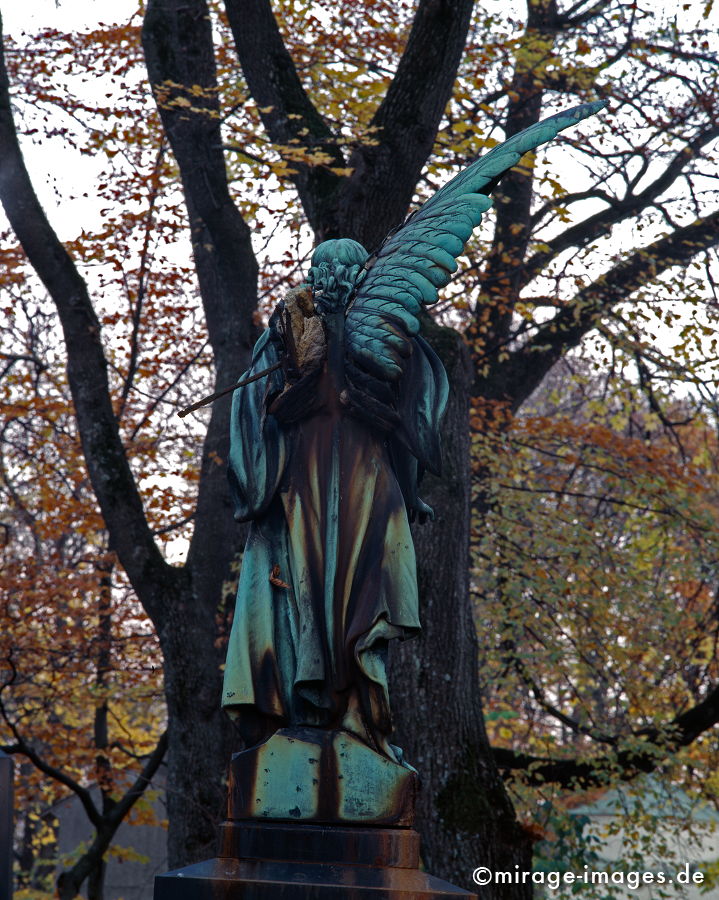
328, 575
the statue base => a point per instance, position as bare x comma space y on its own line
271, 861
313, 813
314, 775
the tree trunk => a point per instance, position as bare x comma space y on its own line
200, 733
96, 882
179, 51
464, 814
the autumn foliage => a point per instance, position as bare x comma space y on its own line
585, 314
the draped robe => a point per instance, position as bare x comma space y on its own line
328, 574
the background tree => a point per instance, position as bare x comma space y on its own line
345, 103
599, 556
80, 682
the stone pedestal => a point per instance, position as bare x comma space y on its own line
313, 814
265, 861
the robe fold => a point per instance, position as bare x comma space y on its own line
328, 575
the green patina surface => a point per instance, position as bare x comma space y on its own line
318, 775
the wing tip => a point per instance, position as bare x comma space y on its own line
582, 111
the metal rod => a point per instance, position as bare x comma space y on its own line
233, 387
6, 826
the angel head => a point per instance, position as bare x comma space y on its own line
334, 270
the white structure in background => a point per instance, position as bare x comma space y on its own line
681, 837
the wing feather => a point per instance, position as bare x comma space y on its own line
420, 257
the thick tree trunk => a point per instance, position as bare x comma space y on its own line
464, 815
200, 734
179, 51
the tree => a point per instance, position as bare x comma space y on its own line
82, 716
80, 669
598, 553
345, 103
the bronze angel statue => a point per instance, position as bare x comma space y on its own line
327, 452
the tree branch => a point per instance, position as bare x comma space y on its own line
105, 458
649, 747
371, 201
516, 378
179, 52
70, 881
22, 746
287, 113
142, 279
501, 275
540, 698
375, 198
572, 17
136, 790
583, 233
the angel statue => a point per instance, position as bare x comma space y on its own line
327, 452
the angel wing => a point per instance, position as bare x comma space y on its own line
420, 257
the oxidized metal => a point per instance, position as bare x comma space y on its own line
328, 575
306, 862
327, 452
316, 775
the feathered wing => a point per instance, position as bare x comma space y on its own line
420, 258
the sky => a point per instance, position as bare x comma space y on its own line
43, 162
62, 14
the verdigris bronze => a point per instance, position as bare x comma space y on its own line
327, 452
324, 461
320, 775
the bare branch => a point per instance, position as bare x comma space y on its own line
179, 52
583, 233
644, 751
517, 377
69, 881
22, 746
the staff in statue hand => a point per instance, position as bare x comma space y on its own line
233, 387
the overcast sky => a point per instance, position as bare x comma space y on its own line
69, 15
